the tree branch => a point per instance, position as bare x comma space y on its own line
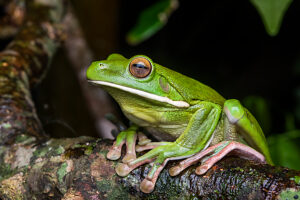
77, 167
23, 63
80, 56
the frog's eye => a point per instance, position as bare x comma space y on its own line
140, 67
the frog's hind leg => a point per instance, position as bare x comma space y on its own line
247, 126
237, 117
213, 154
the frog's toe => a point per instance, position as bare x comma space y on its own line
174, 171
113, 155
207, 164
128, 137
129, 157
123, 169
148, 183
147, 186
202, 169
130, 148
115, 152
189, 161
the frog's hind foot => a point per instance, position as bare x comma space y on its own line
213, 154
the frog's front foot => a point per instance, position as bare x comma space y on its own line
159, 156
129, 137
213, 154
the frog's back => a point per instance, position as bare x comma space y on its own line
191, 89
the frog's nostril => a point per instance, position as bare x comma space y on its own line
102, 66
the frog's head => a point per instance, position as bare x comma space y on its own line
137, 78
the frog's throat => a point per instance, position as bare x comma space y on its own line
180, 104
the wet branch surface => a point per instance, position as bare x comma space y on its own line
33, 166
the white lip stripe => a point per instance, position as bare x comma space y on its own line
180, 104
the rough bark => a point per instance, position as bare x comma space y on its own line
77, 169
23, 63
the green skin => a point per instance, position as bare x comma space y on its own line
186, 115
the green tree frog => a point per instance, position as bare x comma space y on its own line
191, 121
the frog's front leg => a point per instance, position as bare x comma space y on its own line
129, 137
196, 137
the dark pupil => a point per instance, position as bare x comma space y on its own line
140, 69
140, 66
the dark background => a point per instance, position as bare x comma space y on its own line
220, 43
224, 45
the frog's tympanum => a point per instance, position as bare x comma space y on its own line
191, 121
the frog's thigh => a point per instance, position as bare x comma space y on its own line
238, 117
241, 118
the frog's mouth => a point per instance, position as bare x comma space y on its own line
179, 104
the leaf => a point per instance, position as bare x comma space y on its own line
151, 20
272, 13
285, 149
